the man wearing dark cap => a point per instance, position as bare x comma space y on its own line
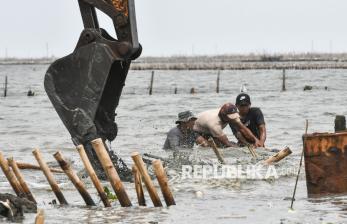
182, 136
211, 123
252, 118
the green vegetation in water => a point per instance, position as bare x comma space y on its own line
112, 197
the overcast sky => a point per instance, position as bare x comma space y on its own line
184, 27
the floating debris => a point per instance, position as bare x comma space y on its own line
307, 88
30, 93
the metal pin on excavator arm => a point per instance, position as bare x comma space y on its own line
85, 86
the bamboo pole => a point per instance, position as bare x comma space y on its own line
28, 166
156, 157
50, 178
247, 144
111, 172
12, 163
218, 79
151, 84
216, 150
5, 89
40, 217
74, 179
163, 182
90, 170
300, 164
138, 186
10, 176
283, 80
278, 156
147, 179
192, 90
251, 150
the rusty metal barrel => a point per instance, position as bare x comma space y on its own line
326, 163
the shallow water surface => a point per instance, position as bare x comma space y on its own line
28, 122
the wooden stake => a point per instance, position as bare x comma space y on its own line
50, 178
278, 156
147, 179
284, 80
192, 90
163, 182
20, 179
5, 89
40, 217
218, 76
111, 172
28, 166
11, 177
151, 85
138, 186
216, 150
247, 144
74, 179
300, 164
251, 150
90, 170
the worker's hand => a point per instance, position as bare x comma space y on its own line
258, 143
201, 141
262, 142
204, 144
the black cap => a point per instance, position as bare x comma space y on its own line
243, 99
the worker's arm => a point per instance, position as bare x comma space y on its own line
247, 133
220, 137
260, 122
225, 141
242, 139
262, 134
201, 141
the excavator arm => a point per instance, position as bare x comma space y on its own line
85, 86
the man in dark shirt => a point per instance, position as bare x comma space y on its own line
252, 118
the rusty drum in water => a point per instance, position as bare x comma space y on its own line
325, 163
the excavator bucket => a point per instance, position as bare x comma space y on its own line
85, 86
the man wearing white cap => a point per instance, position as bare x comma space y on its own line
211, 123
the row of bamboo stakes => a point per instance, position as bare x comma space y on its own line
257, 65
139, 170
193, 91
